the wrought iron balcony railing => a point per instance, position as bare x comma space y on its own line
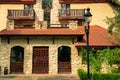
71, 14
21, 14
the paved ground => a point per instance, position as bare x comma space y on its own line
40, 77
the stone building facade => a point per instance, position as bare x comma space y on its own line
29, 46
38, 41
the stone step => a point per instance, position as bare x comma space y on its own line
40, 77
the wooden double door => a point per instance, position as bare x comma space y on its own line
40, 60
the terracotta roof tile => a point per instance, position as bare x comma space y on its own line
98, 37
49, 31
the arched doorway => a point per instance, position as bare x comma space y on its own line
64, 59
16, 60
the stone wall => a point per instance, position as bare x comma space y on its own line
53, 68
5, 50
10, 24
54, 12
38, 10
4, 56
73, 24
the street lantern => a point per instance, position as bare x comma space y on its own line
88, 15
87, 20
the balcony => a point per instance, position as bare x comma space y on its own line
17, 1
83, 1
21, 14
71, 14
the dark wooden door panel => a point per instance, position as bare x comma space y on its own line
64, 67
40, 60
16, 67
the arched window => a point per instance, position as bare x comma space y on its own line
16, 59
64, 59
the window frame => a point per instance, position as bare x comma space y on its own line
28, 6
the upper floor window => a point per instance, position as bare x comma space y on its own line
28, 6
46, 4
65, 6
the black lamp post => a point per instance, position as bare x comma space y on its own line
87, 20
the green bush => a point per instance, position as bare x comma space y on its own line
82, 74
98, 76
107, 76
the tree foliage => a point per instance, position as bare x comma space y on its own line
98, 57
114, 26
113, 0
